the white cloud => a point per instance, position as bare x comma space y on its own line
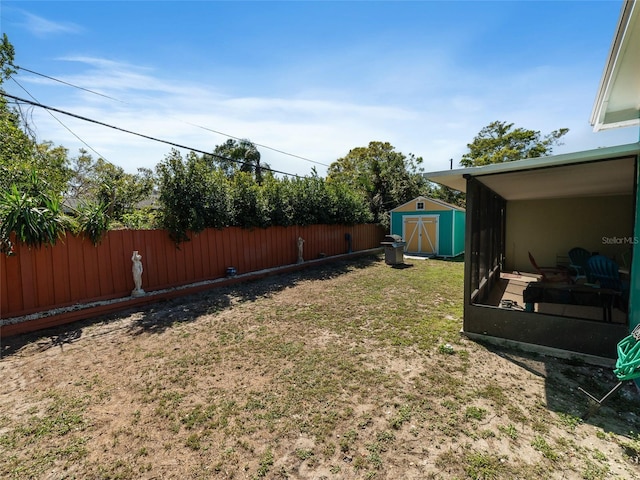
41, 27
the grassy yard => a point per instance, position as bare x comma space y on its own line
353, 370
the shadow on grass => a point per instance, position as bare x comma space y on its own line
401, 266
159, 316
563, 379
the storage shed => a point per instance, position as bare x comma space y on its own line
430, 227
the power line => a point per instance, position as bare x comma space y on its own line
148, 137
188, 123
61, 123
68, 84
258, 144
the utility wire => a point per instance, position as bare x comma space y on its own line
148, 137
188, 123
259, 145
67, 83
61, 123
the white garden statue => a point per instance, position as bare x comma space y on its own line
136, 269
300, 244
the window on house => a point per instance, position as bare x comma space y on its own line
419, 205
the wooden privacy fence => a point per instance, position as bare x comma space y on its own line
74, 271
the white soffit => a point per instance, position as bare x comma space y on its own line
599, 172
618, 99
603, 178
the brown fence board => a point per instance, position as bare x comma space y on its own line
91, 270
29, 297
77, 284
178, 259
225, 248
168, 253
60, 275
271, 235
265, 241
43, 275
275, 248
4, 282
194, 259
121, 258
205, 272
251, 245
217, 254
105, 270
12, 281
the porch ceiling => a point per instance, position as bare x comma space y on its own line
614, 177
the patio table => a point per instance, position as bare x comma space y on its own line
586, 295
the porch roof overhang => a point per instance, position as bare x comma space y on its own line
599, 172
617, 102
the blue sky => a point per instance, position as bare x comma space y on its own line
312, 79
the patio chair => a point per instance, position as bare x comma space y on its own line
550, 274
605, 272
578, 258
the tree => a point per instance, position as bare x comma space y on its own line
446, 194
248, 205
238, 156
20, 154
387, 178
7, 55
32, 176
193, 195
102, 183
82, 172
119, 190
16, 148
499, 142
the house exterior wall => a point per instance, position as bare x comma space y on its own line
549, 228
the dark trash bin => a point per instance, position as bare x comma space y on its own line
393, 249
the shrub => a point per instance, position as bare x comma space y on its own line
32, 213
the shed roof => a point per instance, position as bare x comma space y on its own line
429, 199
579, 174
618, 99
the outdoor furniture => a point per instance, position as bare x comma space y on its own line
627, 367
606, 273
550, 274
585, 295
578, 258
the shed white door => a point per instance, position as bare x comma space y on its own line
421, 234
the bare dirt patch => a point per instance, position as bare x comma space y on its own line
337, 372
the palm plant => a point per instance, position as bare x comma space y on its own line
32, 214
93, 220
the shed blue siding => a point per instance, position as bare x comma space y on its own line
458, 238
451, 226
